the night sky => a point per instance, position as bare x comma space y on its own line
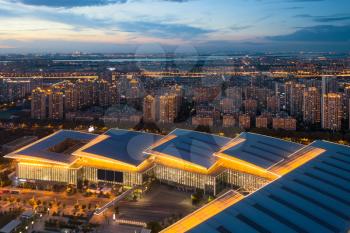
181, 25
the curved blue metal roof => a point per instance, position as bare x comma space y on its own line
261, 150
312, 198
123, 145
41, 148
193, 146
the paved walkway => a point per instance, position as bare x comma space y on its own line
114, 201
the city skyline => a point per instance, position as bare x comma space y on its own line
176, 25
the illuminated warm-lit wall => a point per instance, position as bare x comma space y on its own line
165, 169
246, 181
236, 164
108, 164
44, 172
181, 177
173, 162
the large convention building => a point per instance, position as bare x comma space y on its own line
184, 158
312, 197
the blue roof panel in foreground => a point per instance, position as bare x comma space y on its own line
41, 148
261, 150
123, 145
312, 198
193, 146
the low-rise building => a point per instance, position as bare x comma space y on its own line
285, 123
228, 121
261, 122
186, 158
244, 121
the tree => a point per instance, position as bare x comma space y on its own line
155, 227
32, 202
79, 185
203, 128
86, 183
116, 210
18, 201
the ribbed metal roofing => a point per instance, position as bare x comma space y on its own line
312, 198
193, 146
123, 145
261, 150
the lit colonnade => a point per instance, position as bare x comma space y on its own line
312, 195
40, 161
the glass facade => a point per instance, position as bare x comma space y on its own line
115, 177
51, 173
111, 176
238, 179
181, 177
173, 176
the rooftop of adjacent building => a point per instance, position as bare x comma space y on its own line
261, 150
313, 197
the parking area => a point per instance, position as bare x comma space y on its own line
158, 203
161, 204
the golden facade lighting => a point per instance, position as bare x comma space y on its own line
214, 207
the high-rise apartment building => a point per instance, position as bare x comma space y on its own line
250, 106
149, 109
226, 105
312, 106
103, 93
329, 85
38, 104
273, 104
332, 111
235, 93
55, 104
70, 97
167, 108
296, 99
